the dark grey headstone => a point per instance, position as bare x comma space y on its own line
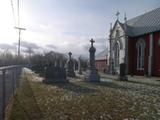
55, 74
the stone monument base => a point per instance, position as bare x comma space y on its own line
123, 78
71, 74
92, 76
51, 81
80, 72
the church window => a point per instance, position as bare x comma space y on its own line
140, 54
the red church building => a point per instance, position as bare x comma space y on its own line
136, 42
101, 61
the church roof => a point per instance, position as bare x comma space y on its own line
102, 55
145, 23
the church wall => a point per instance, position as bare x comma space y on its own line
132, 55
122, 50
122, 54
101, 65
146, 60
156, 54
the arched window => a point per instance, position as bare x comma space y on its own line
140, 54
116, 54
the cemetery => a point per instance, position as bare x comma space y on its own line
109, 99
60, 94
65, 66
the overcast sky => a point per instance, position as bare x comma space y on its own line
66, 25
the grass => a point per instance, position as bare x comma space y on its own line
78, 100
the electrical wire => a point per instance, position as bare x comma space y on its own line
18, 13
13, 13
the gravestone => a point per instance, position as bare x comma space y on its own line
92, 74
122, 75
70, 66
79, 66
55, 74
60, 64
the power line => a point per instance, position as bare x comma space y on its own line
18, 12
13, 13
19, 29
18, 24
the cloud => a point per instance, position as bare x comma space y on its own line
72, 34
85, 46
77, 45
29, 50
80, 46
5, 46
27, 44
101, 43
51, 46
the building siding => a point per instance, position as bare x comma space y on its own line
132, 55
101, 65
132, 52
156, 54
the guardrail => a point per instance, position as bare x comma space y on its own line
9, 80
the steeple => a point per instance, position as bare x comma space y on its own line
125, 17
110, 31
117, 14
110, 27
125, 22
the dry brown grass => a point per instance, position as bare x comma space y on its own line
79, 100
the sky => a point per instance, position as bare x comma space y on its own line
65, 25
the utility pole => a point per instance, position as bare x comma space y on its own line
19, 40
19, 29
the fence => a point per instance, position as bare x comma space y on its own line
9, 80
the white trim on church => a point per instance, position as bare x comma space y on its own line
117, 47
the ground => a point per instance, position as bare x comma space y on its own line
136, 99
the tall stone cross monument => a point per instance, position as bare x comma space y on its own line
70, 66
92, 51
92, 75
